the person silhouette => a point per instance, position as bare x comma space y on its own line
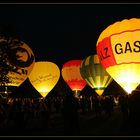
70, 113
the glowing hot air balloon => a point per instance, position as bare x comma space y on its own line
44, 77
71, 75
118, 48
19, 60
94, 74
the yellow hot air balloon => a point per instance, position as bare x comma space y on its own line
44, 77
94, 74
118, 48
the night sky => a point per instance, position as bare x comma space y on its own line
62, 32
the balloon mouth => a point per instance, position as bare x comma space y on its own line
99, 91
129, 87
44, 93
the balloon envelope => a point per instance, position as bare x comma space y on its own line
44, 76
71, 75
94, 74
23, 59
118, 48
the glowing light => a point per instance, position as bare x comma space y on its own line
129, 88
94, 74
118, 51
44, 76
71, 75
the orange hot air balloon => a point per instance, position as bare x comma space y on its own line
71, 75
118, 48
44, 77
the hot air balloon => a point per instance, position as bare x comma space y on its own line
71, 75
118, 48
19, 61
94, 74
23, 60
44, 77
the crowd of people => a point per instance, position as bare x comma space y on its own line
129, 106
29, 115
21, 114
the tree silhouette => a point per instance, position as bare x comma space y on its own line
8, 39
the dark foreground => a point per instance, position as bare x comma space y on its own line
90, 125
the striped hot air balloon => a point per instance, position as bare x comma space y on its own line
71, 75
118, 48
94, 74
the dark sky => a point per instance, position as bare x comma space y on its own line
62, 32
